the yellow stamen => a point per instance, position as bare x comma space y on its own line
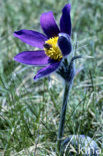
53, 51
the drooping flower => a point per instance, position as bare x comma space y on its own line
55, 44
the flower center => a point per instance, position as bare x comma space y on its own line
52, 50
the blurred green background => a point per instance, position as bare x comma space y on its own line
29, 111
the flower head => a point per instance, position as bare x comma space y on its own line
55, 44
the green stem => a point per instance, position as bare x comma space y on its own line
63, 112
68, 86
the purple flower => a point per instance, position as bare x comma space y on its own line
55, 43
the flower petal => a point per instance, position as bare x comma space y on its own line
49, 25
46, 70
64, 43
65, 21
30, 37
32, 58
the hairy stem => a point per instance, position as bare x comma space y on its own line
68, 85
63, 112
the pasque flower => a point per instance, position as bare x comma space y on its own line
55, 44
